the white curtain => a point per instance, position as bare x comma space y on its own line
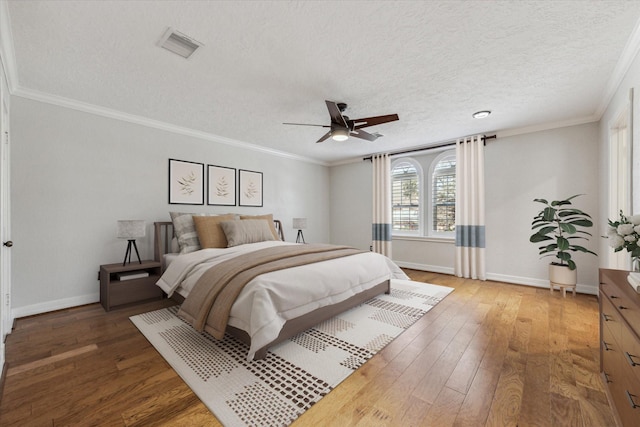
470, 225
381, 227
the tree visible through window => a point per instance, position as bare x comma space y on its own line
405, 197
444, 195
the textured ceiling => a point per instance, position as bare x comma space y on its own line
267, 62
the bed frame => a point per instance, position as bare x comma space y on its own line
163, 234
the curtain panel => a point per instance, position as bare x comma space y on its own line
470, 222
381, 227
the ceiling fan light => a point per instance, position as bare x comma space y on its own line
340, 134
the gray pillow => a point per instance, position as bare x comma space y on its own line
246, 231
185, 230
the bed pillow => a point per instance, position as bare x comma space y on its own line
209, 232
247, 231
269, 218
185, 230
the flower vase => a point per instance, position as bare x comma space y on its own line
635, 264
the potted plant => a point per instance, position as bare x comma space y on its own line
558, 225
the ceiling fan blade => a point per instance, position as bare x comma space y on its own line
336, 115
324, 137
364, 135
372, 121
306, 124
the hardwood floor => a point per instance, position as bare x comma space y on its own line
490, 354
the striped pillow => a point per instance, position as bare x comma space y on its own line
185, 230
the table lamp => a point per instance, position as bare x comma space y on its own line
300, 224
131, 229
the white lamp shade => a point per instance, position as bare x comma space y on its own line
299, 223
131, 228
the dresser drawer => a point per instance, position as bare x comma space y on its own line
631, 352
611, 358
623, 297
627, 400
610, 318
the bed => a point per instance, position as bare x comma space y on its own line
275, 305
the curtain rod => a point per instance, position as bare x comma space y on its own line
431, 147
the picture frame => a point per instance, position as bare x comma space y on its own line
250, 188
221, 186
186, 182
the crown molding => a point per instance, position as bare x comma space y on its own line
546, 126
7, 54
156, 124
629, 54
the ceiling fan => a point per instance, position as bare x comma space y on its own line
342, 127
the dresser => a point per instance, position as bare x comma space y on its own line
620, 344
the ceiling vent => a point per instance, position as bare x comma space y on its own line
179, 43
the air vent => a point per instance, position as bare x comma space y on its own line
179, 43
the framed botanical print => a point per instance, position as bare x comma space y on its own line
250, 188
186, 182
221, 182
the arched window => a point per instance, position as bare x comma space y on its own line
443, 194
406, 183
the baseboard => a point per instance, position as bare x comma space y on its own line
425, 267
60, 304
517, 280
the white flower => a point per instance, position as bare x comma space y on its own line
612, 232
616, 242
637, 229
624, 229
630, 238
634, 219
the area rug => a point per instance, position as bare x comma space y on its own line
296, 373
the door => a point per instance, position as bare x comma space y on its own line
5, 252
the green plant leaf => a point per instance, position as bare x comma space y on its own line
572, 264
581, 222
563, 244
535, 238
568, 228
541, 201
549, 214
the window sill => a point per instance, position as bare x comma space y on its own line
432, 239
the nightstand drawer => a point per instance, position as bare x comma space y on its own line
134, 290
130, 283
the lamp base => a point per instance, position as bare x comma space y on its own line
129, 251
300, 237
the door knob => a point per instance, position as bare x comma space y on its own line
8, 243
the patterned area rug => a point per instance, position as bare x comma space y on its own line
296, 373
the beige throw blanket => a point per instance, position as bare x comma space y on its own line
209, 303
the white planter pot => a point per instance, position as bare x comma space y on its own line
562, 275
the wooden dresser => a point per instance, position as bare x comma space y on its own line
620, 344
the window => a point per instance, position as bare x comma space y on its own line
406, 179
443, 194
424, 205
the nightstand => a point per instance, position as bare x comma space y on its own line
132, 283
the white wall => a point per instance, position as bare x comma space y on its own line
74, 174
552, 164
548, 164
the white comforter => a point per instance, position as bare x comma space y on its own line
271, 299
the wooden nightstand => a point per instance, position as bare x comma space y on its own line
117, 290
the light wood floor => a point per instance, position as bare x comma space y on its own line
490, 354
